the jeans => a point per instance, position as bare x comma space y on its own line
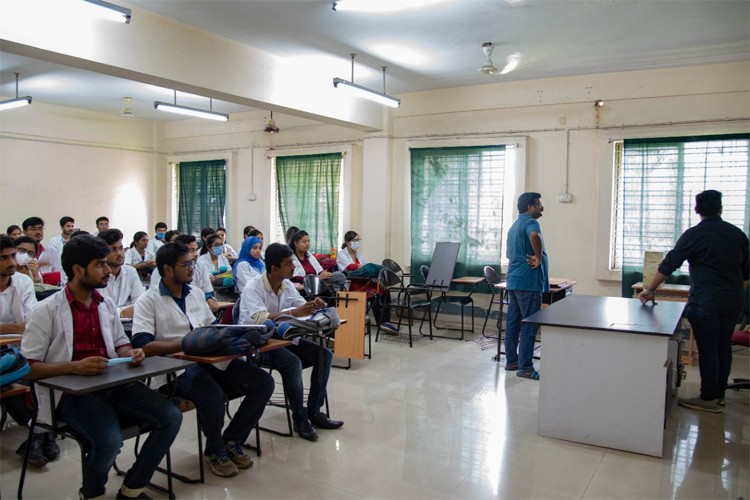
289, 362
521, 304
208, 387
95, 417
713, 336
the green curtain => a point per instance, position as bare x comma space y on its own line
308, 197
201, 195
659, 179
457, 195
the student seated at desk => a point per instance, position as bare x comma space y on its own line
212, 261
74, 332
160, 232
249, 264
304, 262
49, 260
138, 255
268, 296
163, 316
229, 252
124, 286
14, 231
66, 229
26, 249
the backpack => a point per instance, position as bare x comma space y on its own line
13, 365
322, 323
226, 339
369, 270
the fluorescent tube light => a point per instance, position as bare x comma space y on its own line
109, 11
15, 103
194, 112
366, 93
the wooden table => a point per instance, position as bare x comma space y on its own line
559, 288
673, 293
611, 369
10, 339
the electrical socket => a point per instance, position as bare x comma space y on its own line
252, 197
564, 197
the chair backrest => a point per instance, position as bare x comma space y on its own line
388, 278
316, 287
236, 311
393, 266
491, 275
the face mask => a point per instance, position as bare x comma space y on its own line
22, 259
355, 245
160, 236
217, 251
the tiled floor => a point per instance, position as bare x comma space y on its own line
441, 420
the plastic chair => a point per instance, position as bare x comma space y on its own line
315, 287
393, 266
492, 278
405, 300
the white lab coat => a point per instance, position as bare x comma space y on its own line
17, 301
125, 288
299, 271
343, 259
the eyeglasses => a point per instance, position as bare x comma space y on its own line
30, 253
188, 264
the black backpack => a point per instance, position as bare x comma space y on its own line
13, 365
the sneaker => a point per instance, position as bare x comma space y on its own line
36, 454
221, 464
710, 405
49, 447
237, 455
141, 496
306, 430
389, 328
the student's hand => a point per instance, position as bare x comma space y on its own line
150, 263
94, 365
533, 261
319, 303
137, 354
304, 309
647, 295
325, 275
127, 312
213, 305
33, 266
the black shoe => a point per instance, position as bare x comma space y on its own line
49, 447
321, 421
36, 454
141, 496
306, 430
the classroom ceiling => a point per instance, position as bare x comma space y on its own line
435, 46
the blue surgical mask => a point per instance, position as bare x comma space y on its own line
217, 251
160, 236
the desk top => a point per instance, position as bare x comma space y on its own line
10, 338
468, 280
611, 313
115, 375
268, 346
555, 284
666, 288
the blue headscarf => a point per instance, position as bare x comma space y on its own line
245, 256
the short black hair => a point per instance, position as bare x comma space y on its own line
82, 250
160, 225
78, 233
32, 221
64, 220
708, 203
111, 236
276, 253
221, 229
526, 200
290, 232
100, 219
6, 242
206, 231
295, 238
170, 234
255, 232
12, 228
26, 239
246, 231
186, 239
168, 255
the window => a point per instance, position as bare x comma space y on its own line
457, 194
654, 195
200, 195
307, 195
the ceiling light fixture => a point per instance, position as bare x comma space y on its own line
127, 113
598, 103
209, 114
364, 92
109, 11
488, 67
271, 127
17, 102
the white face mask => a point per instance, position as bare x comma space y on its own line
23, 258
355, 245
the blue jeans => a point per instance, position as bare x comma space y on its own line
521, 304
95, 417
713, 336
208, 387
290, 362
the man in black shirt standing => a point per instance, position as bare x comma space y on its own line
717, 252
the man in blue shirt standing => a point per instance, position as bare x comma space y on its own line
527, 278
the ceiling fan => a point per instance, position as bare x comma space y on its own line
271, 127
489, 68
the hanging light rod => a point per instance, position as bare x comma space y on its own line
209, 114
109, 11
364, 92
17, 102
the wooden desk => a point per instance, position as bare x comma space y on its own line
611, 367
349, 341
673, 293
10, 339
559, 288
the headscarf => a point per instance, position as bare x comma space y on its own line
245, 256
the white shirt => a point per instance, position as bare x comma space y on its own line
154, 244
124, 288
56, 244
207, 264
230, 250
258, 300
245, 273
53, 265
17, 301
49, 337
300, 271
343, 259
132, 257
200, 280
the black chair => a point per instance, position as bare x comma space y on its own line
492, 278
393, 266
315, 287
741, 338
408, 298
